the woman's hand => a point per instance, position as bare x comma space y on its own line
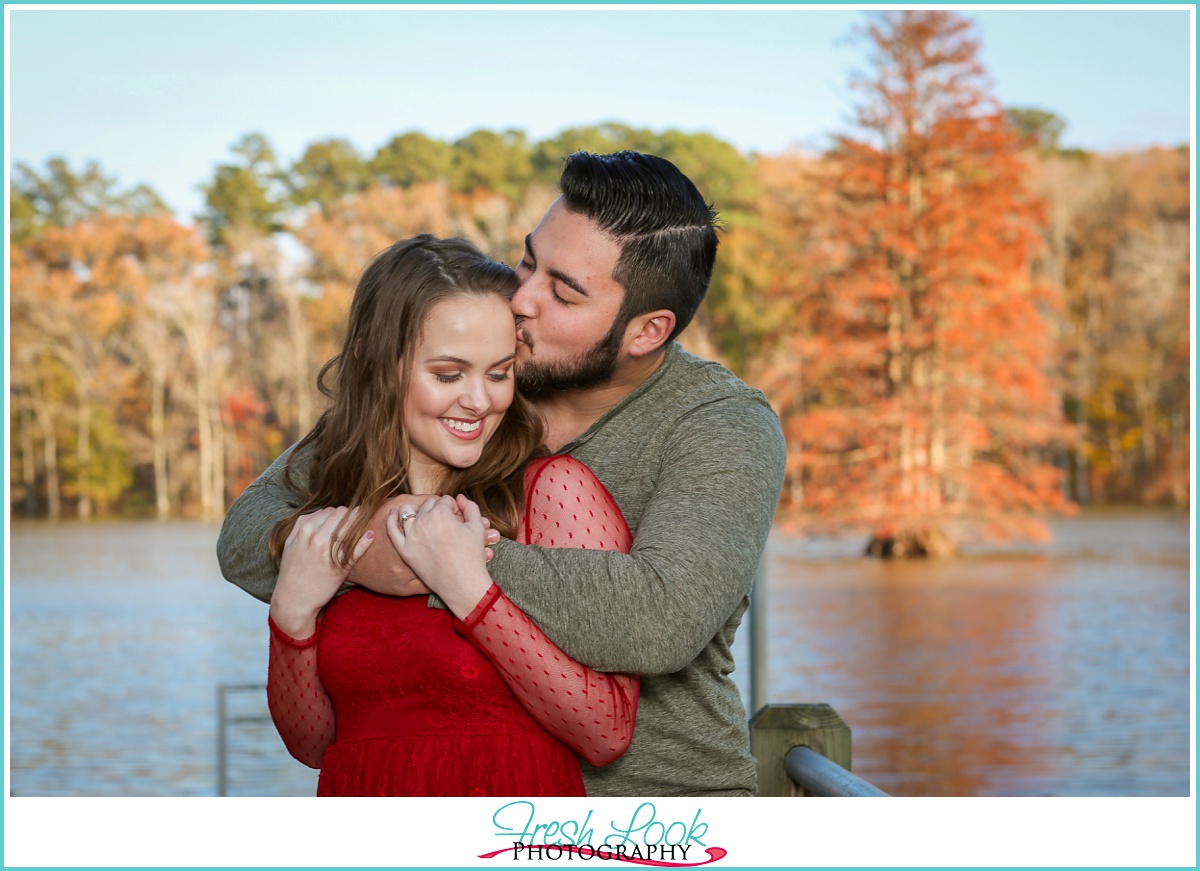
443, 542
308, 575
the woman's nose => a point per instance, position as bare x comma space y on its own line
475, 399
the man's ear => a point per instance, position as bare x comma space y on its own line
647, 333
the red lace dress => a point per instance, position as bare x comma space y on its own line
426, 704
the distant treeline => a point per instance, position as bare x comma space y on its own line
961, 325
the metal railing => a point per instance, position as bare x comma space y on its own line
817, 775
225, 720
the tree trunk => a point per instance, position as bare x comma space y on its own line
84, 454
911, 544
218, 461
28, 462
162, 493
298, 331
204, 435
45, 418
937, 418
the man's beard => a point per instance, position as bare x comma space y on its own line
589, 368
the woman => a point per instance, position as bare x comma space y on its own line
402, 698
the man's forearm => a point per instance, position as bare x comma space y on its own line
381, 569
243, 548
613, 612
693, 559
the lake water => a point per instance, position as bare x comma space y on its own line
1061, 669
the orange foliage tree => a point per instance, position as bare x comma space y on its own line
883, 295
930, 413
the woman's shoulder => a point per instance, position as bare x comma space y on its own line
556, 469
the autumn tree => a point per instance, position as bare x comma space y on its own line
1120, 235
892, 297
59, 196
327, 171
69, 315
247, 194
547, 156
412, 158
930, 413
491, 161
1041, 128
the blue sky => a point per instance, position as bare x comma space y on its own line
157, 96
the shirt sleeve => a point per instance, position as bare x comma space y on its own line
715, 487
590, 712
243, 549
300, 708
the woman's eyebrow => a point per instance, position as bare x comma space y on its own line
450, 358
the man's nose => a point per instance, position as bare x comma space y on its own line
522, 301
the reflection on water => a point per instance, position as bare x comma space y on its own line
1061, 670
120, 633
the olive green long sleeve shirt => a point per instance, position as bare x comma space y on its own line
695, 460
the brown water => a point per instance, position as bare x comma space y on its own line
1057, 671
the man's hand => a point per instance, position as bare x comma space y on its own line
381, 569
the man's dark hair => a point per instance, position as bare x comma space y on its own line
666, 230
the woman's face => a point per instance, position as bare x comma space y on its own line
461, 383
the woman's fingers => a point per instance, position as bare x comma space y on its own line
470, 511
361, 547
428, 519
396, 527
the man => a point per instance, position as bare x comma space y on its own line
694, 458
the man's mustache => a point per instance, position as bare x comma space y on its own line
523, 336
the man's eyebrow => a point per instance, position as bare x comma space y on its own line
569, 281
558, 274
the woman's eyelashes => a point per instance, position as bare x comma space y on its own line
498, 375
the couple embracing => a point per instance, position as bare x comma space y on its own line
501, 548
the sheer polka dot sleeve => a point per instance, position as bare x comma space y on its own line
591, 712
299, 705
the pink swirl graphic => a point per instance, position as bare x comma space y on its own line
714, 854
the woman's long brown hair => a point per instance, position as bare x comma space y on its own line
360, 443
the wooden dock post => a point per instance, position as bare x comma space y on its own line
776, 729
